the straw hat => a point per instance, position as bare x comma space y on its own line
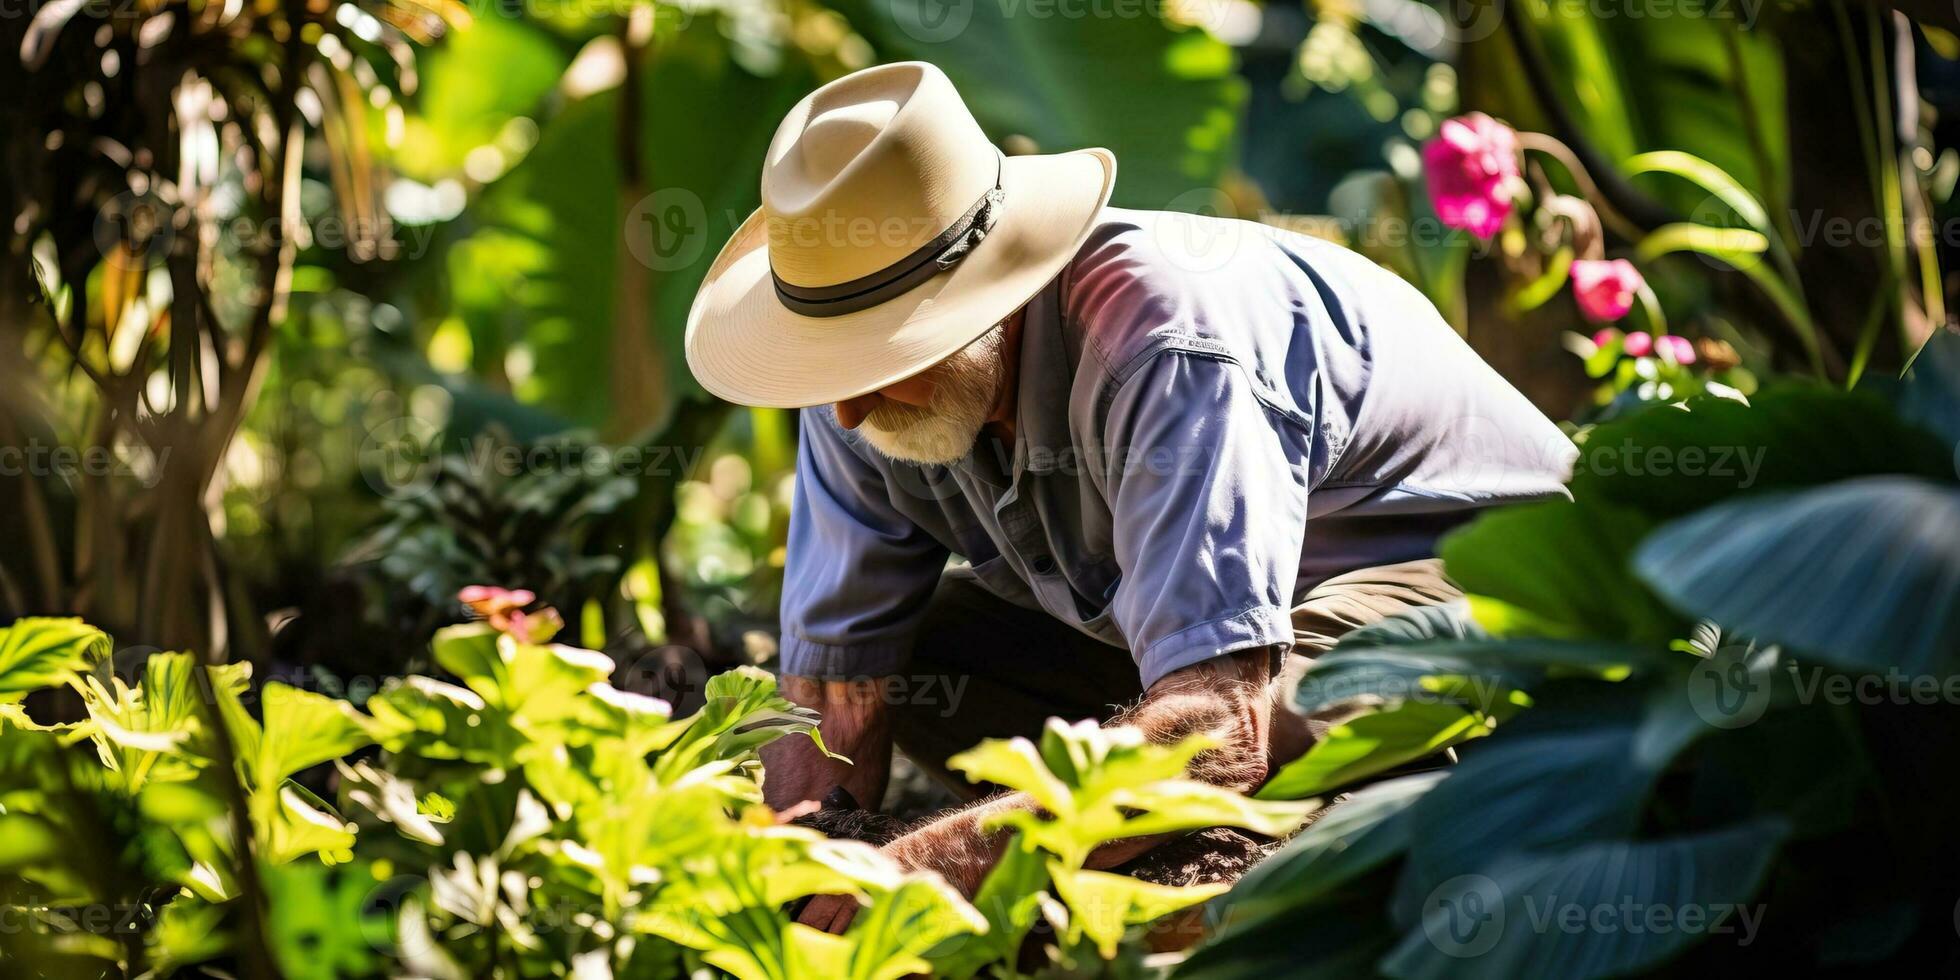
891, 234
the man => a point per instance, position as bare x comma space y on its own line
1167, 449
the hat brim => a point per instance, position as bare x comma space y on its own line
745, 347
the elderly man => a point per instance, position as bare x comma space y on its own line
1166, 450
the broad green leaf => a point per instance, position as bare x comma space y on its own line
425, 717
1565, 563
1102, 905
303, 729
296, 824
470, 651
1172, 805
1010, 900
1168, 101
1667, 461
1015, 764
319, 923
1512, 920
1929, 393
1114, 785
1863, 574
38, 652
1375, 743
890, 937
740, 713
1575, 768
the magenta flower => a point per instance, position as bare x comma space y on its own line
1605, 290
1469, 164
1639, 344
1679, 348
1604, 336
504, 610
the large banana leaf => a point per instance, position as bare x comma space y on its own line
543, 267
1575, 769
1164, 98
1637, 904
1863, 574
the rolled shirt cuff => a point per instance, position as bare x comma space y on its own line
1260, 626
832, 661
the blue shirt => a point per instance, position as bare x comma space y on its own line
1205, 430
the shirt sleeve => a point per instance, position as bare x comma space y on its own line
859, 573
1208, 490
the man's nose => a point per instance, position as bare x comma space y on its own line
851, 411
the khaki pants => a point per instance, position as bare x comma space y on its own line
986, 668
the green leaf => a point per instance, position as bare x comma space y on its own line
1574, 768
470, 652
1567, 564
1539, 291
1863, 574
1668, 461
1516, 919
428, 718
303, 729
38, 652
740, 713
1374, 743
1015, 764
890, 937
1102, 905
297, 824
1168, 100
1929, 394
1010, 900
1708, 177
1097, 784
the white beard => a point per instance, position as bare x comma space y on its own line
964, 389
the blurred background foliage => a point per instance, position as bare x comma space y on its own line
311, 274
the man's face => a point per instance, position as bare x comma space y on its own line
933, 416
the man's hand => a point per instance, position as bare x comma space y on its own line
1229, 698
856, 724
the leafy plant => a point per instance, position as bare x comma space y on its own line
523, 819
496, 510
1727, 674
1093, 785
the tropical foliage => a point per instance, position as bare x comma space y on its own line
1739, 684
524, 818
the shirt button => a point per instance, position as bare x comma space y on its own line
1043, 565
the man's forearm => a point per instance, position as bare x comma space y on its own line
856, 724
1228, 698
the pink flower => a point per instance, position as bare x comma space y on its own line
1605, 336
1605, 290
1639, 344
1468, 165
1679, 348
504, 609
488, 600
